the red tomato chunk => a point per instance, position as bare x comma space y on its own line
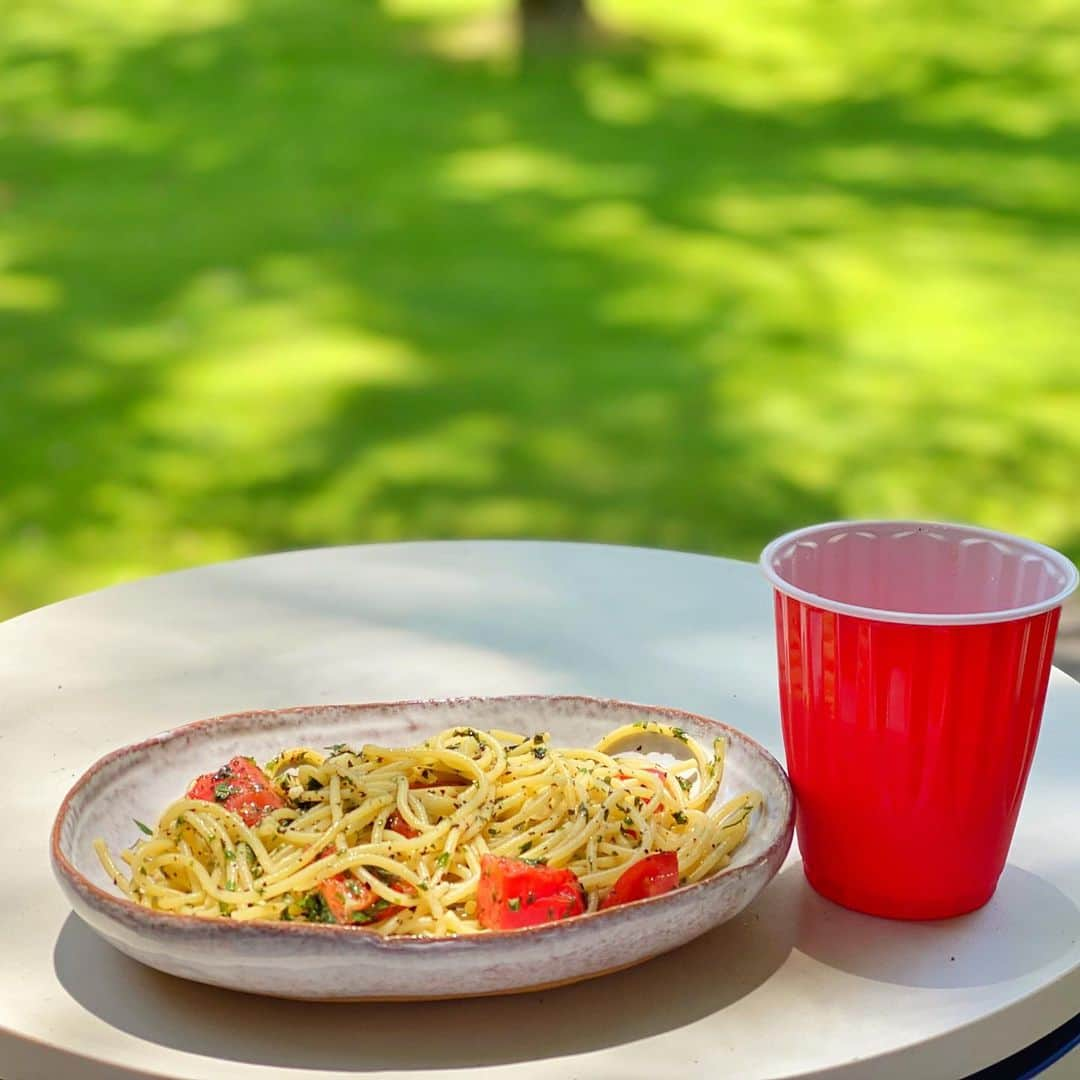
661, 775
651, 876
513, 893
430, 778
242, 787
396, 823
351, 902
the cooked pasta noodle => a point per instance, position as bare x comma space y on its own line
408, 828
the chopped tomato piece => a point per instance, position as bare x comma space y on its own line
240, 786
513, 893
352, 902
651, 876
396, 823
429, 778
658, 772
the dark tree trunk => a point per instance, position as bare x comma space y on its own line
542, 20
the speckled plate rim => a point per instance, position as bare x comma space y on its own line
182, 924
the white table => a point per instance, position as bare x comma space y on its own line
793, 987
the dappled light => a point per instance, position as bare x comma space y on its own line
274, 276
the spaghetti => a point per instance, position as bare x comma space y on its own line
470, 830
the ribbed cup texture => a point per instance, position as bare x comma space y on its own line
908, 747
913, 569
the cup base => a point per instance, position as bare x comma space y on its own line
910, 909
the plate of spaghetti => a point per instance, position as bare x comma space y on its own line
416, 850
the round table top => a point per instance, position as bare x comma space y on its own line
795, 986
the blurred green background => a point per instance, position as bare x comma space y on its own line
280, 273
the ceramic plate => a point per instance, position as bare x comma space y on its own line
317, 962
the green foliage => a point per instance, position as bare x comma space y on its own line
279, 274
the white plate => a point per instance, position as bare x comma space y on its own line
300, 960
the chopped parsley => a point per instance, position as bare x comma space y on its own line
337, 748
315, 909
685, 783
143, 827
540, 752
443, 859
525, 847
514, 904
731, 824
223, 790
680, 734
680, 817
370, 914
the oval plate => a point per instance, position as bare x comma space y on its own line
316, 962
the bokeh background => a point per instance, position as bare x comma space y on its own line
281, 273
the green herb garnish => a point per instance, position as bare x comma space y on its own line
143, 827
680, 817
443, 859
731, 824
514, 904
315, 909
370, 914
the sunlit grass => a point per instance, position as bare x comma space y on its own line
274, 276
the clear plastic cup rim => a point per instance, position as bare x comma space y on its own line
920, 618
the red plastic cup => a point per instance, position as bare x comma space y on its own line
913, 661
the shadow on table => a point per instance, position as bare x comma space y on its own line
1029, 922
665, 994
